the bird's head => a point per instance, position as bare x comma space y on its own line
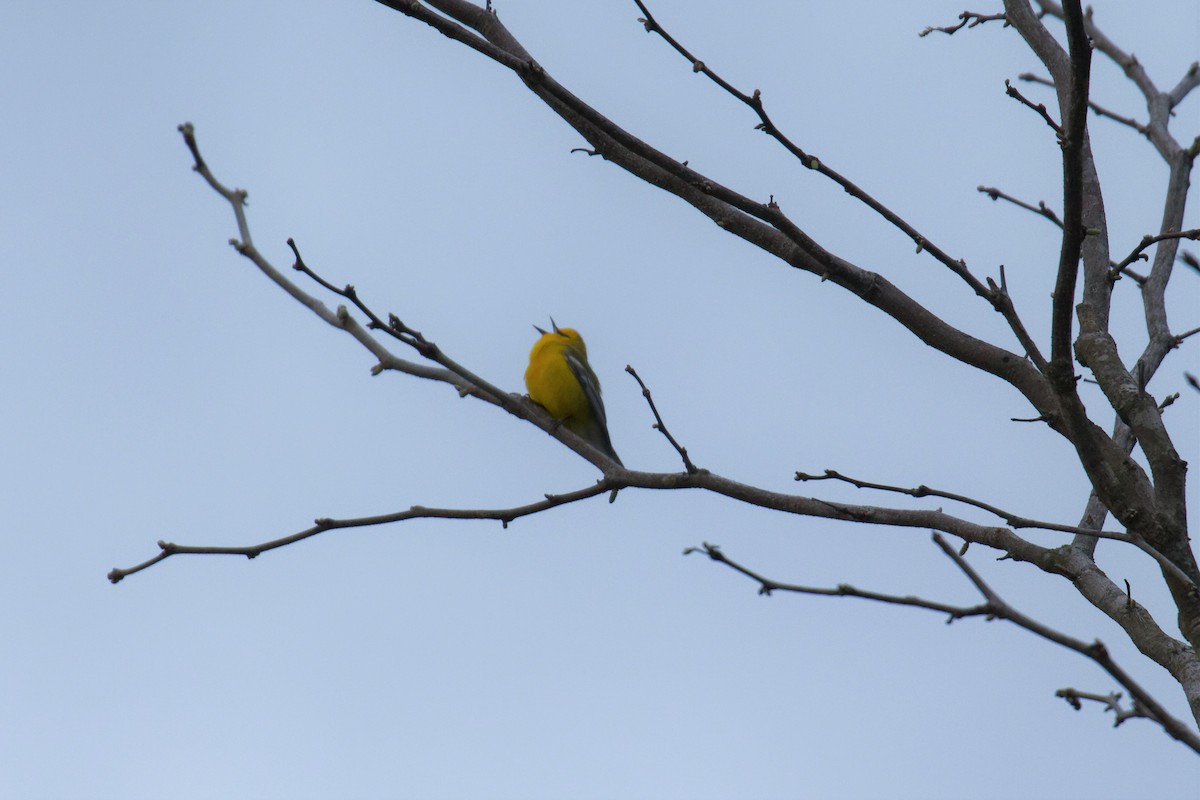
571, 337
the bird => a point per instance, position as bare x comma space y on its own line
560, 380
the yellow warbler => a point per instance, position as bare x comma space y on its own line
560, 380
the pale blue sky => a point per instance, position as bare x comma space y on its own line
158, 387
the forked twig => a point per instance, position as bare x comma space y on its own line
1014, 520
767, 126
503, 515
1138, 255
994, 607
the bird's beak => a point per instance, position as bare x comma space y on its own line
539, 330
553, 325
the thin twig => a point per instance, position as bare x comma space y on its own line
1002, 301
465, 381
1101, 111
1041, 209
766, 586
1013, 520
1096, 651
1044, 211
1137, 254
1040, 108
968, 19
503, 515
661, 426
766, 125
994, 607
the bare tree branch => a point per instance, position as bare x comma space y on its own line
1044, 211
462, 379
1029, 77
763, 225
661, 426
1121, 483
1097, 345
1161, 514
1139, 255
755, 102
1040, 209
503, 515
969, 19
1010, 519
1189, 81
994, 607
1096, 651
1038, 108
1159, 104
768, 586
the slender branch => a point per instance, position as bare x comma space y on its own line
1096, 651
766, 125
1044, 211
1138, 254
1189, 81
968, 19
1070, 72
1066, 562
1101, 111
336, 318
1029, 77
462, 379
999, 300
1039, 108
999, 538
1070, 564
1003, 303
1041, 209
1159, 104
761, 224
1010, 519
321, 525
661, 426
767, 586
994, 607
